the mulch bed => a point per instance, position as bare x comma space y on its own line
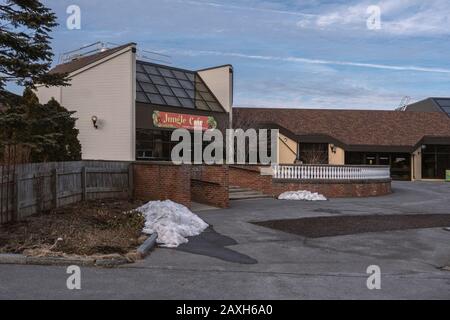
87, 228
345, 225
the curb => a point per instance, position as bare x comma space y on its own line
147, 246
103, 262
20, 259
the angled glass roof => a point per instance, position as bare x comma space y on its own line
444, 104
167, 86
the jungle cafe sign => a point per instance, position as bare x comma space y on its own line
183, 121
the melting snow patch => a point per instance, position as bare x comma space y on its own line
302, 195
172, 221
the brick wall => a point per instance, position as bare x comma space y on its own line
345, 189
162, 181
209, 185
250, 177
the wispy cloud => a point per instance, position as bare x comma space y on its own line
311, 61
400, 17
235, 7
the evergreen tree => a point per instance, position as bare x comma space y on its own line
25, 52
50, 130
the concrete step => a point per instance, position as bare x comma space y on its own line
237, 193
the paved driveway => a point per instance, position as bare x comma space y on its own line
239, 260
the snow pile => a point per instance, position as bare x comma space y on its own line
302, 195
172, 221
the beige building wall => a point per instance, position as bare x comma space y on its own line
287, 150
105, 89
337, 157
45, 94
220, 81
416, 165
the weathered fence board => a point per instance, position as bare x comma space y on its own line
42, 186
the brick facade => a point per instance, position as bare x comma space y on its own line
209, 185
182, 184
250, 177
162, 181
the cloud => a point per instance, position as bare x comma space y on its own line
400, 17
311, 61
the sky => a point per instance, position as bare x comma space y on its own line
290, 53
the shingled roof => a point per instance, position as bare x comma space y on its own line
82, 62
353, 129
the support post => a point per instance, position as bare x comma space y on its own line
84, 184
16, 215
55, 188
130, 181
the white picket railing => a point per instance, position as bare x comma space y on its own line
330, 172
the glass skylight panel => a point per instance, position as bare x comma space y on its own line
214, 106
139, 67
201, 105
157, 79
180, 93
165, 90
172, 101
187, 84
173, 82
180, 75
207, 96
148, 87
141, 97
443, 102
163, 85
156, 99
187, 103
151, 69
191, 93
446, 109
201, 87
166, 72
142, 77
190, 76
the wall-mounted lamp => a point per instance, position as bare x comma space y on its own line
94, 121
333, 148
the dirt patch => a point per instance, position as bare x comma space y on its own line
345, 225
87, 228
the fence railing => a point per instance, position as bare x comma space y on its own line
330, 172
38, 187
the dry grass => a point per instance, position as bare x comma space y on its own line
90, 228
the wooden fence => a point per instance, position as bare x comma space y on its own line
38, 187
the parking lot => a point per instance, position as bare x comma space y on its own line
236, 259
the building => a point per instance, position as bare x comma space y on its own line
415, 144
431, 105
127, 107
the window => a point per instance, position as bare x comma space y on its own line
168, 86
435, 161
313, 153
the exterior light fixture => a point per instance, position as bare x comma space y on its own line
94, 121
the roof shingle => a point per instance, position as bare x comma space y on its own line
82, 62
352, 127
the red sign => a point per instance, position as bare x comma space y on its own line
183, 121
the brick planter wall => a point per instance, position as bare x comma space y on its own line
162, 181
209, 185
250, 177
332, 189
